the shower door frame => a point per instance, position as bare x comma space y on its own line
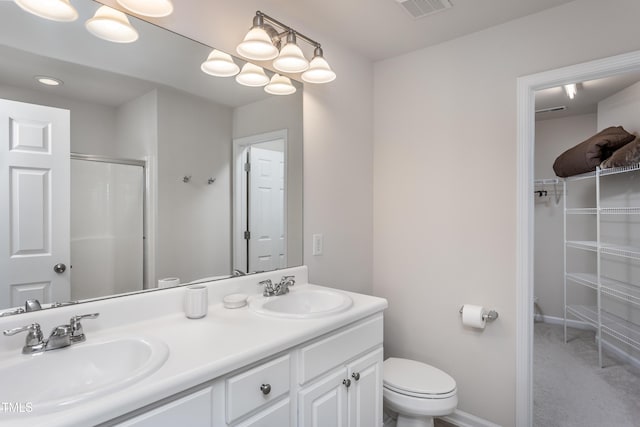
145, 182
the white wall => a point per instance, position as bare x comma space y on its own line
553, 137
92, 125
621, 109
194, 221
445, 192
271, 114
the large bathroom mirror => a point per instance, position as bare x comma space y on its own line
151, 188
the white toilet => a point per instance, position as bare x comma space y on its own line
417, 392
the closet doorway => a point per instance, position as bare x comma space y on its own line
529, 227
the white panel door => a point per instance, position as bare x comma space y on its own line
365, 393
324, 403
266, 209
34, 201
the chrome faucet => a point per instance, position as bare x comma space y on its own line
281, 288
61, 336
29, 305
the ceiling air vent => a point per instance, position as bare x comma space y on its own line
420, 8
551, 109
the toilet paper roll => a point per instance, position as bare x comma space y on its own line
472, 315
168, 282
196, 301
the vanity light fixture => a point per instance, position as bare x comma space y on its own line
54, 10
151, 8
220, 64
258, 43
291, 58
571, 90
280, 85
48, 81
111, 25
263, 41
252, 75
319, 70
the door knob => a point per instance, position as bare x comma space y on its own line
347, 383
265, 388
356, 376
59, 268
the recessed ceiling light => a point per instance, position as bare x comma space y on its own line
49, 81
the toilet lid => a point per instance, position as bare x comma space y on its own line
416, 377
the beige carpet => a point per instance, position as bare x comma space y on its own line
570, 390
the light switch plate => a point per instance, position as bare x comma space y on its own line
317, 244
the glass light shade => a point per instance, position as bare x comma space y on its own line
280, 85
252, 75
319, 71
152, 8
55, 10
220, 64
112, 25
257, 45
291, 59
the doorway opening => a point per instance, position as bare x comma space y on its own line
260, 202
527, 86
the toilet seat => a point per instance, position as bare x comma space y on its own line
417, 379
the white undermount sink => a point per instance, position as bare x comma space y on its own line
302, 303
55, 379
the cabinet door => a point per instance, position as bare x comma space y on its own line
193, 411
324, 403
365, 393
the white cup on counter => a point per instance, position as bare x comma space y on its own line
196, 301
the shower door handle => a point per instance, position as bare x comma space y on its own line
59, 268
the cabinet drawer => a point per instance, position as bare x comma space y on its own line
336, 349
278, 415
193, 411
244, 393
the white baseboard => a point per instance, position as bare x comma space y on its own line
462, 419
612, 348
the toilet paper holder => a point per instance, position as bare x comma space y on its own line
491, 315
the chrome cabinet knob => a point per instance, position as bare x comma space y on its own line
356, 376
265, 388
347, 383
59, 268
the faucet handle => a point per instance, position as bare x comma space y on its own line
268, 287
289, 280
77, 334
34, 340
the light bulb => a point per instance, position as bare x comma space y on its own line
280, 85
54, 10
257, 45
152, 8
111, 25
291, 59
252, 75
319, 70
220, 64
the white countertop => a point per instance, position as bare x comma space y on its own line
199, 350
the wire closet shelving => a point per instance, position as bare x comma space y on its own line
604, 322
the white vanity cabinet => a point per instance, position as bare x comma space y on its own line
341, 378
332, 381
